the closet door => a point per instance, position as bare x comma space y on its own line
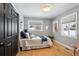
8, 29
13, 22
2, 53
14, 47
1, 22
8, 49
1, 29
14, 32
8, 21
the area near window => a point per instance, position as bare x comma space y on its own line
69, 25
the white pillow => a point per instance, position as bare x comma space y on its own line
32, 35
27, 34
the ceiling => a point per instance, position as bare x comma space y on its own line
35, 9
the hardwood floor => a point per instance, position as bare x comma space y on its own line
55, 50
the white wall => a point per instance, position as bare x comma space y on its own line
46, 22
21, 23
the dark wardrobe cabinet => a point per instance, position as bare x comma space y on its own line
8, 30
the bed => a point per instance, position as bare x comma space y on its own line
34, 43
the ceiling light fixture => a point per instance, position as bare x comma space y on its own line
46, 7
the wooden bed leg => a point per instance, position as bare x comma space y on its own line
74, 51
20, 48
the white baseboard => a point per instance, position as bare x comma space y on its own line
71, 48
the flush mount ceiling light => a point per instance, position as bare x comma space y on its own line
46, 7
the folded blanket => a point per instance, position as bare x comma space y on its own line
43, 38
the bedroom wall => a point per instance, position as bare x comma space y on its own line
46, 22
65, 40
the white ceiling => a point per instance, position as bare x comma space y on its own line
35, 10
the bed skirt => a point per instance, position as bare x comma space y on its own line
28, 44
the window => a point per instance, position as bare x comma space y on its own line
69, 25
35, 25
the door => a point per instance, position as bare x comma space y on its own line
2, 53
1, 22
8, 21
1, 29
8, 49
8, 30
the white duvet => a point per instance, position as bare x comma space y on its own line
34, 43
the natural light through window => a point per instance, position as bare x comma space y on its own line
69, 25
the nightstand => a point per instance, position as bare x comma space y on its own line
51, 37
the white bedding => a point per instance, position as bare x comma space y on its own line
34, 43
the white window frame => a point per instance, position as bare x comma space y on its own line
35, 21
75, 13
